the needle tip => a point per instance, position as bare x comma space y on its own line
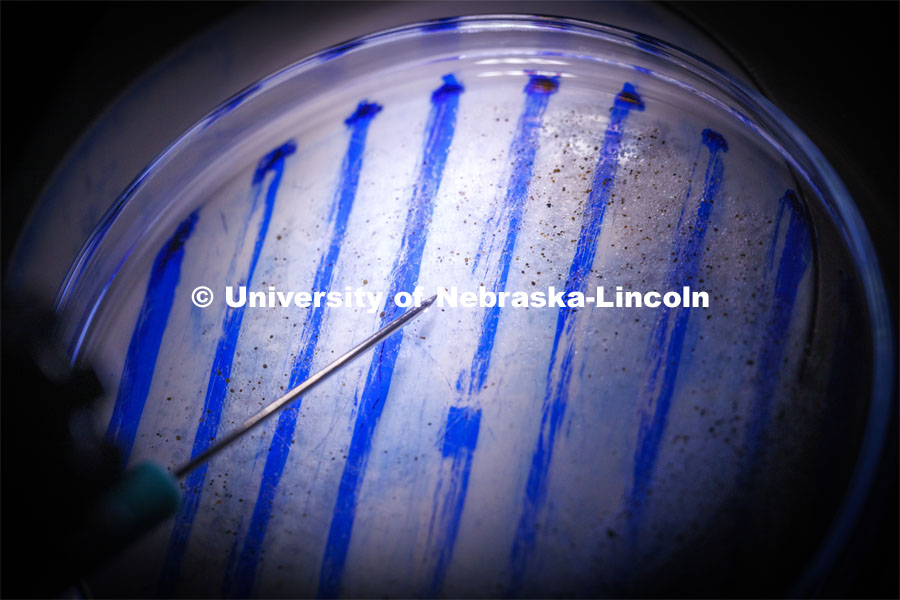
429, 302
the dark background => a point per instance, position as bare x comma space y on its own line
832, 67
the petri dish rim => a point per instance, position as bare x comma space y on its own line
767, 121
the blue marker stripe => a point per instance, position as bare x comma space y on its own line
404, 274
666, 356
279, 448
450, 494
143, 350
560, 367
792, 233
217, 388
460, 439
522, 151
795, 256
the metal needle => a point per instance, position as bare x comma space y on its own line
307, 385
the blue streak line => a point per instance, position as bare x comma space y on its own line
795, 256
217, 388
460, 440
665, 357
404, 274
279, 448
560, 368
523, 150
449, 502
143, 350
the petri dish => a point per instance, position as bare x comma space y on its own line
491, 451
